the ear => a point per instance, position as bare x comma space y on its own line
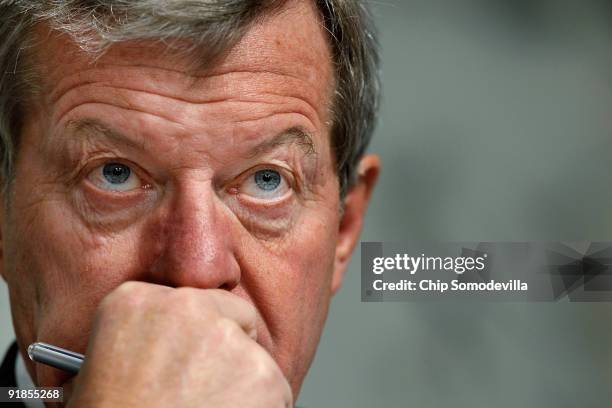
355, 205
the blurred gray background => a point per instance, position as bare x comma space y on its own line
496, 125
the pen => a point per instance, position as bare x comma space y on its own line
56, 357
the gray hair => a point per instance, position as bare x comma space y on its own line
211, 26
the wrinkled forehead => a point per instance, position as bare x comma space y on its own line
290, 42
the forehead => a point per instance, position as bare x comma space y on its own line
289, 45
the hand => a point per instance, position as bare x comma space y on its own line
156, 346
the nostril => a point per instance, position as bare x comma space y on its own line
228, 286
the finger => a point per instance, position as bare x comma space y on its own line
230, 306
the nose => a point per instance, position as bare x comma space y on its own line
195, 247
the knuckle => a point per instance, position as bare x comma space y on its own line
129, 287
264, 374
219, 297
250, 313
181, 301
126, 291
266, 371
227, 331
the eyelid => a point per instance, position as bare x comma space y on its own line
285, 172
93, 163
90, 160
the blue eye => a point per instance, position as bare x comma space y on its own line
267, 180
116, 173
113, 176
265, 184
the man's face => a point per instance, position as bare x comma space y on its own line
135, 168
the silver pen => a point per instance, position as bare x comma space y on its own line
55, 357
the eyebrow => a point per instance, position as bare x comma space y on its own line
92, 127
295, 135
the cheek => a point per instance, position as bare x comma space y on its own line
312, 253
66, 268
290, 283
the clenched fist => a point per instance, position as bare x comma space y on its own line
156, 346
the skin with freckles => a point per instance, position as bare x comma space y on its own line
139, 168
